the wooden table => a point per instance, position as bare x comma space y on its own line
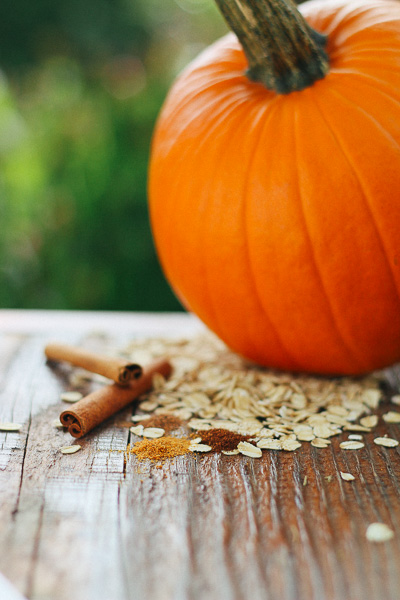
89, 527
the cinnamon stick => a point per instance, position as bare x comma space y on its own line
118, 369
101, 404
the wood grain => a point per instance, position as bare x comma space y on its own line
92, 527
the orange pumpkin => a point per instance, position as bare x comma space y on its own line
277, 216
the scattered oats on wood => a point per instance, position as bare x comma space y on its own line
152, 432
138, 418
338, 410
351, 445
137, 430
158, 381
182, 413
357, 428
379, 532
78, 378
320, 443
324, 430
200, 424
199, 448
290, 445
391, 417
148, 406
298, 401
249, 450
355, 436
386, 441
71, 397
336, 419
305, 437
10, 427
301, 428
265, 433
98, 378
196, 440
70, 449
57, 423
347, 476
372, 397
395, 399
230, 452
196, 401
268, 444
305, 480
369, 421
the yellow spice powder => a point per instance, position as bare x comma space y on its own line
160, 448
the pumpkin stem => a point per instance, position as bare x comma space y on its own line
284, 53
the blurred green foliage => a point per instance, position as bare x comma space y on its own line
81, 84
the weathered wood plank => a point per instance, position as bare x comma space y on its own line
200, 527
54, 499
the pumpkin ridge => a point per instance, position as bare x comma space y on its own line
242, 121
200, 85
364, 195
220, 110
173, 246
227, 46
242, 103
363, 64
206, 86
346, 22
274, 328
214, 123
370, 80
345, 14
206, 269
335, 320
365, 79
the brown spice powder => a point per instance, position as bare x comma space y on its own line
160, 448
222, 439
167, 422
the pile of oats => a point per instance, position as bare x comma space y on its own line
211, 387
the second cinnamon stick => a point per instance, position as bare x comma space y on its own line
118, 369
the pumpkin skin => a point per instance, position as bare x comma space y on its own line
276, 217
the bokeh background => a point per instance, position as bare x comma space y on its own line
81, 84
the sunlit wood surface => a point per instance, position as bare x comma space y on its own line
89, 526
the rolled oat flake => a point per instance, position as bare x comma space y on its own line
153, 432
71, 397
10, 426
199, 448
379, 532
137, 430
70, 449
249, 450
386, 441
351, 445
391, 417
269, 444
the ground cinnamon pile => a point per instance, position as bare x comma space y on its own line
222, 440
167, 422
161, 448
